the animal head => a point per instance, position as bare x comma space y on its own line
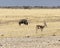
45, 24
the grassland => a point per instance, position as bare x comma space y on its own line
9, 19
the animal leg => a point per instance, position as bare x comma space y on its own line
41, 29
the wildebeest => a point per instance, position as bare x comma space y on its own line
23, 21
41, 26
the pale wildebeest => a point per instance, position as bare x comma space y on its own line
41, 27
23, 21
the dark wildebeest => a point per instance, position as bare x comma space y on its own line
23, 21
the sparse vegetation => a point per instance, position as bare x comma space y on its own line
9, 21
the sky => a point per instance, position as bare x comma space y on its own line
29, 2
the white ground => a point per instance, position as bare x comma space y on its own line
31, 42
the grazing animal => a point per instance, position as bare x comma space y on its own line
23, 21
41, 26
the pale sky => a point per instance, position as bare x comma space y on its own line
29, 2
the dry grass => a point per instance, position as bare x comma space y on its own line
9, 19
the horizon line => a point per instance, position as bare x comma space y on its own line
31, 7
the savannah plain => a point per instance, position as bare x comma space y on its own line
10, 28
